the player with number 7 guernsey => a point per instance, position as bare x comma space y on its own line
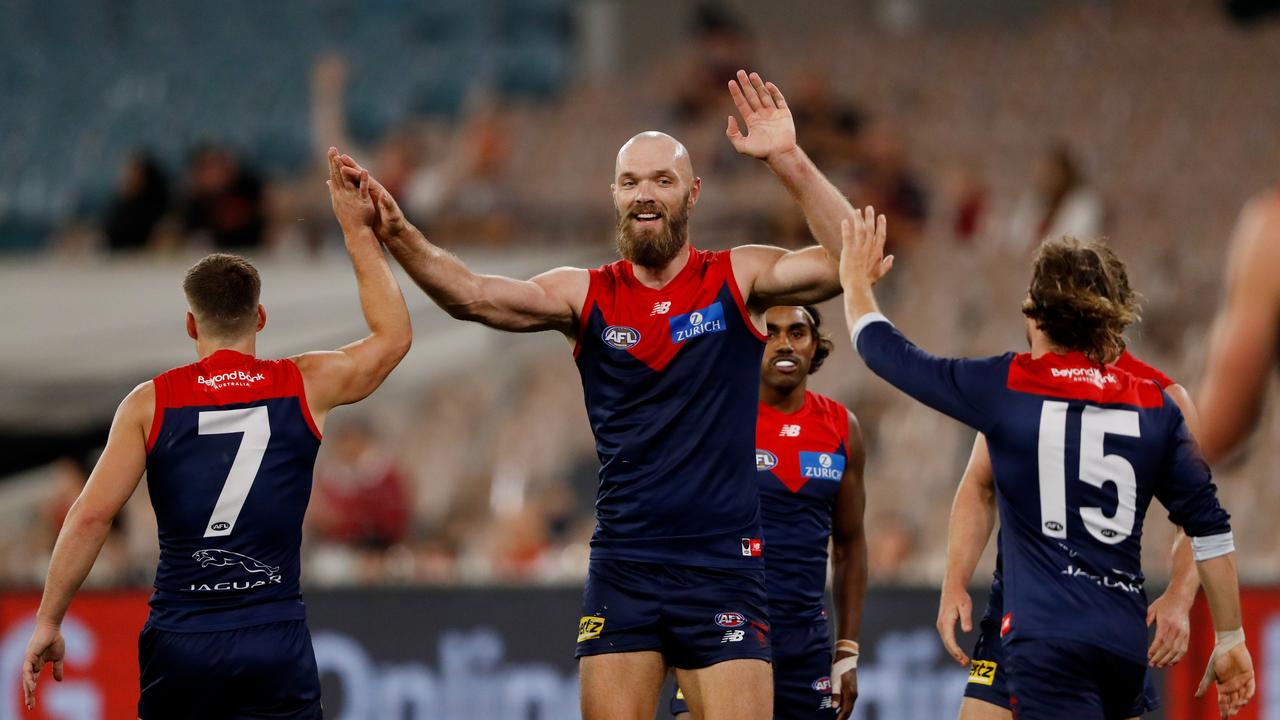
228, 444
1079, 448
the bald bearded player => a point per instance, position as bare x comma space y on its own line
668, 341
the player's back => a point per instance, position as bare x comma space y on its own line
229, 467
1078, 451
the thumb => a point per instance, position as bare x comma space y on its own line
966, 620
57, 670
364, 185
1151, 615
732, 130
1205, 681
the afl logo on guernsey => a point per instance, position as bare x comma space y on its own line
823, 466
620, 337
765, 460
709, 319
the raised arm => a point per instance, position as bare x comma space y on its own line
1242, 346
771, 137
849, 570
550, 301
973, 517
354, 371
85, 529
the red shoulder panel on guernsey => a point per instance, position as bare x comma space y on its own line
1075, 377
227, 377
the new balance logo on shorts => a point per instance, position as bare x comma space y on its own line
733, 636
752, 547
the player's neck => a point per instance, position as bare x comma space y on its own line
245, 346
1040, 346
784, 401
657, 278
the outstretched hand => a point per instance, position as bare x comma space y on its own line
1232, 673
352, 204
770, 130
390, 221
862, 259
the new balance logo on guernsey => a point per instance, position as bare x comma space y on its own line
709, 319
789, 431
660, 308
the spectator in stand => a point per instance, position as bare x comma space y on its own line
224, 201
141, 201
1060, 202
721, 46
887, 182
361, 497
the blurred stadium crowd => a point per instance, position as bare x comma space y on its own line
1148, 121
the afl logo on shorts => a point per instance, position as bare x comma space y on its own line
620, 337
765, 460
730, 620
822, 685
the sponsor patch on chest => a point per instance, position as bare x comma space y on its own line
822, 465
704, 321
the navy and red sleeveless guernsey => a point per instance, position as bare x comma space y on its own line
670, 379
800, 461
229, 466
987, 681
1078, 450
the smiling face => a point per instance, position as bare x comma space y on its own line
653, 190
789, 352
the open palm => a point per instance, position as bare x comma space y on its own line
770, 130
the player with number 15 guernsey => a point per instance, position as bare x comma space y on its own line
1079, 448
228, 445
667, 341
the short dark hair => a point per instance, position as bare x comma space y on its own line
825, 346
1081, 298
223, 292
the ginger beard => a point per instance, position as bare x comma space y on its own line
653, 244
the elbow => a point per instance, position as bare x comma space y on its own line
83, 520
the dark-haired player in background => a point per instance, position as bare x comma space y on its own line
667, 341
1243, 344
986, 695
228, 444
1078, 448
809, 463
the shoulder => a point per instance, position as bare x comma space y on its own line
1130, 363
138, 408
1257, 234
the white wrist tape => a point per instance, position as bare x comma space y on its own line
1224, 642
844, 664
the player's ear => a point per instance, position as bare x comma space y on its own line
191, 327
262, 317
694, 189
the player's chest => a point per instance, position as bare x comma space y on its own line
800, 458
655, 327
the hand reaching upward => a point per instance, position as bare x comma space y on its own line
771, 132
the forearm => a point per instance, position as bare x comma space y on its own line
74, 553
1184, 580
1222, 590
381, 301
823, 205
849, 583
440, 274
973, 517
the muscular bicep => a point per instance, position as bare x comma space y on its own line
123, 460
786, 277
978, 474
1243, 339
1182, 399
550, 301
851, 500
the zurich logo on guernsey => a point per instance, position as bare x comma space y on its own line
620, 337
709, 319
823, 466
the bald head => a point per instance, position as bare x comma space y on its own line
652, 151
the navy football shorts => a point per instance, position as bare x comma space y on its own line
263, 671
801, 674
987, 673
1052, 679
695, 617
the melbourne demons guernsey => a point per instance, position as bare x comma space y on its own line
229, 465
1128, 363
800, 461
1078, 450
671, 382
